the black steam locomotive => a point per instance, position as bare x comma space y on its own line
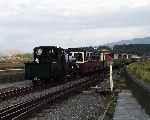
49, 64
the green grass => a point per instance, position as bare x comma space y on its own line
141, 70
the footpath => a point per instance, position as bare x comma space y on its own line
128, 108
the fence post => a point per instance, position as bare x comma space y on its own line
111, 80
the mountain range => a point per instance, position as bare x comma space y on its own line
145, 40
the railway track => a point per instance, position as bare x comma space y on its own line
10, 92
22, 109
13, 92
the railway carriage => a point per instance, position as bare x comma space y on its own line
87, 61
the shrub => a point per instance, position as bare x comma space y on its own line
141, 70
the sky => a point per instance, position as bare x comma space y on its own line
25, 24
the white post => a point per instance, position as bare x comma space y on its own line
111, 80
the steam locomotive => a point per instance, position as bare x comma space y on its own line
52, 64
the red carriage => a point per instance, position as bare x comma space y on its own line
87, 61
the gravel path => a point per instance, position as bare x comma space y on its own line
86, 106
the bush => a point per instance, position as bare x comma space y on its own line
120, 63
141, 70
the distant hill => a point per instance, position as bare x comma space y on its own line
10, 52
137, 49
145, 40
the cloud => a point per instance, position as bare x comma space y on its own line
68, 7
27, 23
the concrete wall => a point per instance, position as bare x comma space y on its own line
140, 89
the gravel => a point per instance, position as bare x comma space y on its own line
88, 105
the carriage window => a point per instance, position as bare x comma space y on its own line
78, 56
